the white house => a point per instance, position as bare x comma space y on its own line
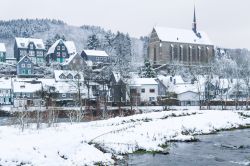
6, 95
187, 93
25, 93
145, 89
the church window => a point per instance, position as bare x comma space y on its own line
175, 52
181, 53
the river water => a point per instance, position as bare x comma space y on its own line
230, 148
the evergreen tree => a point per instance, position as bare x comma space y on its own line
147, 71
93, 42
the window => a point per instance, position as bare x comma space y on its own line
63, 47
29, 71
31, 46
28, 65
23, 52
175, 52
190, 53
58, 54
39, 53
64, 54
58, 47
151, 99
152, 90
23, 71
64, 95
171, 52
143, 90
181, 53
62, 76
27, 95
23, 65
70, 76
97, 58
31, 53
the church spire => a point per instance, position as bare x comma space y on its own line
194, 22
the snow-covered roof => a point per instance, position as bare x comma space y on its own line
181, 88
71, 57
143, 81
24, 42
58, 73
5, 83
181, 36
26, 87
95, 53
70, 45
2, 47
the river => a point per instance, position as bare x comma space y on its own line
229, 148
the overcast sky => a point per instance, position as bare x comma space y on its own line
225, 21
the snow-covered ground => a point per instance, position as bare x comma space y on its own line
67, 144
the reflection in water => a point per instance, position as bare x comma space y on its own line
225, 148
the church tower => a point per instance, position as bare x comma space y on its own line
194, 28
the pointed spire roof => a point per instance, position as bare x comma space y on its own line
194, 15
194, 28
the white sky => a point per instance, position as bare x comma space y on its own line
225, 21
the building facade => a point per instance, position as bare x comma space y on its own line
95, 56
6, 93
181, 46
34, 48
60, 51
74, 62
25, 67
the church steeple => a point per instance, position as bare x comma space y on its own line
194, 22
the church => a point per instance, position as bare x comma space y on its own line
180, 46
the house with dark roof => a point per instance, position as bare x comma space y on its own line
60, 51
96, 56
74, 62
33, 48
25, 67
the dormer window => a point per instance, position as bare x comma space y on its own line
77, 76
62, 76
22, 44
70, 76
31, 46
39, 46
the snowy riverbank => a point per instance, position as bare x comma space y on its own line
68, 144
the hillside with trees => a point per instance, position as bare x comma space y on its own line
85, 37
